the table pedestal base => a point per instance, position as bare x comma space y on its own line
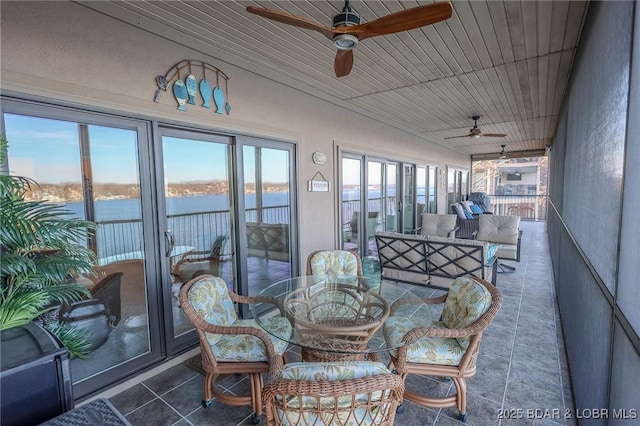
311, 355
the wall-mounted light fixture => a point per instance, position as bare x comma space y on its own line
319, 158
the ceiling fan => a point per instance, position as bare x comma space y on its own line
475, 132
502, 154
347, 30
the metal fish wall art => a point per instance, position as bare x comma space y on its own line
187, 91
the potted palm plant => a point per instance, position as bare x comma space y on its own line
40, 251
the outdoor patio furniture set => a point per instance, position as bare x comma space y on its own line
345, 382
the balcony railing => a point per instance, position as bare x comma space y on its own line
528, 207
197, 230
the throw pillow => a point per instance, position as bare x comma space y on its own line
476, 209
468, 215
492, 250
459, 210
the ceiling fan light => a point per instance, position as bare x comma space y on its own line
476, 136
345, 41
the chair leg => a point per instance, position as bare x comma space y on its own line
502, 267
209, 380
461, 396
256, 392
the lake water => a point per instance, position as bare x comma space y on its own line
200, 219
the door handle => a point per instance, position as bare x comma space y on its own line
169, 242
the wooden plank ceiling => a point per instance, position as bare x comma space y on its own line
507, 61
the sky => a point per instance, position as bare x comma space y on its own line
48, 151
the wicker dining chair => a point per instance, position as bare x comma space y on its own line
334, 264
354, 393
195, 263
450, 346
229, 345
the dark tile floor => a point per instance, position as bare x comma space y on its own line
522, 370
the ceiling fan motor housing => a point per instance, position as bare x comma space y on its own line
346, 18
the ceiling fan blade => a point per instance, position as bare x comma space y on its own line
403, 20
296, 21
463, 136
343, 62
492, 135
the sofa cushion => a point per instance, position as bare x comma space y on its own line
333, 264
210, 298
427, 350
466, 302
438, 224
498, 229
248, 348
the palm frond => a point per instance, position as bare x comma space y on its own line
22, 308
13, 264
75, 339
41, 244
66, 293
28, 224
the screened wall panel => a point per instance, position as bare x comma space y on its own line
586, 320
628, 283
625, 376
556, 181
593, 234
597, 111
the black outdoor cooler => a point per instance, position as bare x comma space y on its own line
35, 380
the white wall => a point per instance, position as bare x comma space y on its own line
66, 52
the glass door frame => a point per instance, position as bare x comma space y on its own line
365, 160
153, 216
239, 213
143, 128
185, 341
459, 177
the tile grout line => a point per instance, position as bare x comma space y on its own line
515, 334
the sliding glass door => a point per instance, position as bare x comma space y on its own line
198, 233
170, 204
268, 222
457, 185
93, 166
351, 191
426, 190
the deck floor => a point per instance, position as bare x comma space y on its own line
522, 368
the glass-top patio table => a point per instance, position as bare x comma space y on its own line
340, 318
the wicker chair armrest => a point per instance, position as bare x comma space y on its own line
419, 332
257, 299
416, 300
195, 253
274, 360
